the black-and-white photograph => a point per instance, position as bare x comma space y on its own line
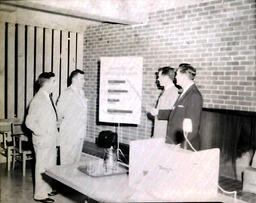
127, 101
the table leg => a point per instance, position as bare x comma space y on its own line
8, 158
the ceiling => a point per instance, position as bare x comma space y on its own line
113, 11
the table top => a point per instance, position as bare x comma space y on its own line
109, 188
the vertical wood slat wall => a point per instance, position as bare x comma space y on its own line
48, 50
10, 65
39, 51
2, 70
30, 60
56, 63
27, 51
64, 59
21, 71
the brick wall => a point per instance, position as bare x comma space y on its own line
217, 37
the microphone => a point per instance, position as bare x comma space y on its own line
187, 128
187, 125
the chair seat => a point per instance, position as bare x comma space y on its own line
26, 146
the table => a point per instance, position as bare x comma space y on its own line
109, 188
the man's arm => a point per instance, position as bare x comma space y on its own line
33, 119
193, 111
62, 105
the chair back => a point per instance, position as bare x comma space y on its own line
22, 149
17, 129
17, 132
5, 131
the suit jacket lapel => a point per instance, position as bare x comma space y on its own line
47, 102
79, 97
186, 93
181, 99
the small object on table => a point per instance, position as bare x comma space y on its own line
98, 168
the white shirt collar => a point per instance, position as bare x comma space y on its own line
77, 90
186, 89
80, 95
169, 86
45, 93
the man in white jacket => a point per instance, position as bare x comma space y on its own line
72, 112
42, 121
166, 98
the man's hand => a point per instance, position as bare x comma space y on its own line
154, 112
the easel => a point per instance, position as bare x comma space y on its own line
118, 150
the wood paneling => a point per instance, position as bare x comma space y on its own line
64, 60
27, 51
39, 52
21, 72
30, 64
11, 71
72, 52
56, 60
2, 70
48, 50
233, 132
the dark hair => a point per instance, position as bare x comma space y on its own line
43, 77
187, 68
167, 70
73, 74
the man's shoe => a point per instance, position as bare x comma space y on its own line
46, 200
53, 193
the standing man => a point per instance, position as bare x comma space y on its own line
72, 111
42, 121
166, 99
188, 105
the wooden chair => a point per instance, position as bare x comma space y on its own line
6, 143
22, 147
6, 148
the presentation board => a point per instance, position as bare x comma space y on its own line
168, 172
120, 89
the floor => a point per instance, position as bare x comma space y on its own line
235, 185
18, 189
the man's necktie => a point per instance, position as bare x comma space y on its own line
50, 95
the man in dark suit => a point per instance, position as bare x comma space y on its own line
188, 105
